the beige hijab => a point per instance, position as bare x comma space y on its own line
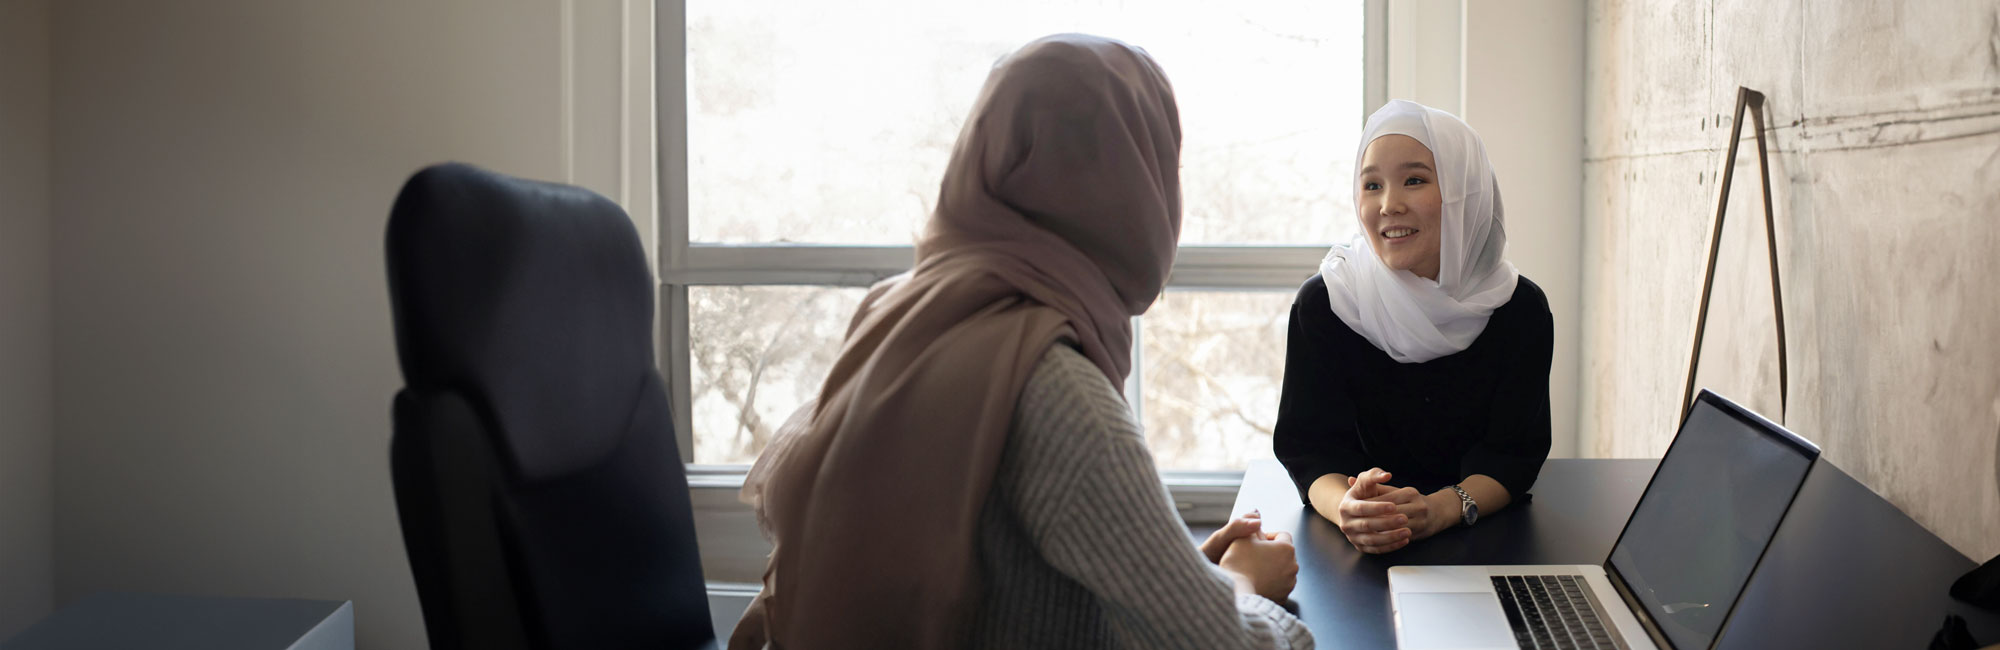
1057, 220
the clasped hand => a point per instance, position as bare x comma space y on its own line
1261, 563
1378, 518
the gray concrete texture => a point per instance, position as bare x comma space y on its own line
1885, 166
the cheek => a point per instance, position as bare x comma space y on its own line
1432, 211
1369, 215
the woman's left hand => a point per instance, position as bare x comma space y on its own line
1429, 514
1251, 523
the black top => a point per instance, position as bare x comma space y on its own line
1347, 406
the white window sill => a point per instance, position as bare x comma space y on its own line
733, 551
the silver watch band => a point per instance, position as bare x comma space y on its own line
1468, 510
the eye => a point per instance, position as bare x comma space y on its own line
1415, 180
1371, 186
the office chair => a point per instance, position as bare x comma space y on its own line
542, 497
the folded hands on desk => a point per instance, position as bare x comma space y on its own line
1258, 562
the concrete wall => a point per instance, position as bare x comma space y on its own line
222, 173
1886, 166
27, 483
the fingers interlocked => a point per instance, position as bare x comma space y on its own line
1376, 517
1248, 525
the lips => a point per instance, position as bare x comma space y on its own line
1399, 232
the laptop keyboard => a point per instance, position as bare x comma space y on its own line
1552, 612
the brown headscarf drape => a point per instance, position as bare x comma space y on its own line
1057, 219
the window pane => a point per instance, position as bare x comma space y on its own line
757, 353
1210, 368
813, 122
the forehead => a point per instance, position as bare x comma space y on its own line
1394, 150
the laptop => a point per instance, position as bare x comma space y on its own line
1673, 576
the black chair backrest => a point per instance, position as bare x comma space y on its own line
542, 497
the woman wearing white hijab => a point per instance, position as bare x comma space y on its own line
1418, 349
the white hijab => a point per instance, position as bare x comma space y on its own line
1412, 319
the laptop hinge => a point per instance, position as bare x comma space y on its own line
1638, 610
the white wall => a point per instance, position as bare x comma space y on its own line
1523, 93
1426, 52
26, 372
222, 173
1514, 72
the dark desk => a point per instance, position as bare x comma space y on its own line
1883, 589
181, 622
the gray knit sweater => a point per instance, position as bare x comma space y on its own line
1080, 543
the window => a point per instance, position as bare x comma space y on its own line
758, 353
803, 144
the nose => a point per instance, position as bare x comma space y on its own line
1393, 203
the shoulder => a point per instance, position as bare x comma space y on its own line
1526, 315
1069, 422
1063, 367
1313, 310
1528, 297
1315, 327
1066, 395
1313, 294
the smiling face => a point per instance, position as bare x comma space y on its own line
1399, 204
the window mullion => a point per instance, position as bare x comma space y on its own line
848, 266
670, 106
1220, 267
1133, 395
1245, 267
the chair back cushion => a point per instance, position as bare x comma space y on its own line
543, 499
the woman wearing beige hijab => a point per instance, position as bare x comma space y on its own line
970, 475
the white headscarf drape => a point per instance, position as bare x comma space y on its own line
1413, 319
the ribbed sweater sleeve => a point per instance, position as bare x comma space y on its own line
1093, 504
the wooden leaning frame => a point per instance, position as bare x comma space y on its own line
1753, 100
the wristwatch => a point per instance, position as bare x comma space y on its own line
1467, 508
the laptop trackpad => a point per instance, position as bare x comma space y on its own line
1452, 620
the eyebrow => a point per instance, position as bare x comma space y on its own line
1407, 165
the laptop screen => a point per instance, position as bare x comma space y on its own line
1707, 516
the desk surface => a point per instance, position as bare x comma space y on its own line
1578, 508
179, 622
1343, 594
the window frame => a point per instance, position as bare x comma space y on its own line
1202, 496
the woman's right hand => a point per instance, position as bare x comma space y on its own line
1371, 526
1251, 523
1264, 563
